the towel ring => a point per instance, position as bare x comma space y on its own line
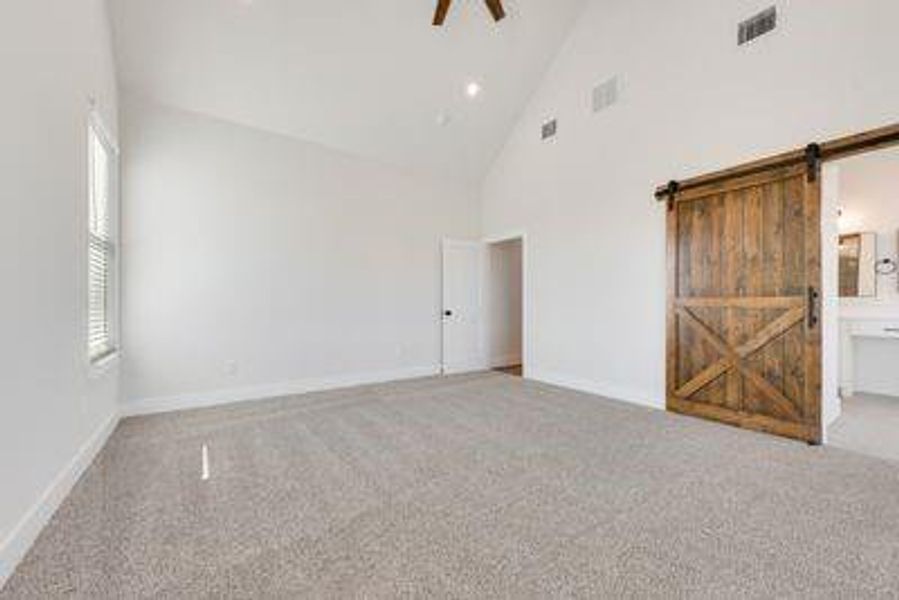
886, 266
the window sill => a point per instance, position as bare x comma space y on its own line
101, 366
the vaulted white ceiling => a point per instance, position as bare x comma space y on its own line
370, 77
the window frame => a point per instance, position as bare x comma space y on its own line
96, 130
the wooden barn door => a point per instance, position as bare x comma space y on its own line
744, 340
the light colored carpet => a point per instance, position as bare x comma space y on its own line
483, 486
869, 425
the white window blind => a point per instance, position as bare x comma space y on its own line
101, 248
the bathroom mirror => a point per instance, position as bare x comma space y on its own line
858, 265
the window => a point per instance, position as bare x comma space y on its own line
102, 245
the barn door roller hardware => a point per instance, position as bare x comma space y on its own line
670, 193
813, 157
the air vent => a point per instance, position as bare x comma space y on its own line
549, 130
605, 95
757, 26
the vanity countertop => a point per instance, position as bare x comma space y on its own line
871, 312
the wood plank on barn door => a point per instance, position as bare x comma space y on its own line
794, 257
733, 281
741, 255
772, 356
813, 334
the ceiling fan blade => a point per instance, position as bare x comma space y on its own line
440, 13
496, 9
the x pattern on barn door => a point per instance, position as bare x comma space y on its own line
740, 340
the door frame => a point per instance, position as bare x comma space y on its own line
485, 241
814, 156
522, 236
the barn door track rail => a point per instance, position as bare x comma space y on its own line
812, 156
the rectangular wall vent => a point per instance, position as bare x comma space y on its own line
605, 95
550, 128
757, 26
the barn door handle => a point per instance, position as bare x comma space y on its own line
813, 296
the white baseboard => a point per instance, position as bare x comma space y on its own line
23, 535
829, 417
887, 390
162, 404
472, 365
610, 391
508, 360
832, 409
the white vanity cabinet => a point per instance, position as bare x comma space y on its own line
853, 328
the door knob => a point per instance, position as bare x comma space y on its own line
447, 313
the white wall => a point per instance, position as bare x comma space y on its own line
691, 102
503, 303
257, 265
869, 196
53, 57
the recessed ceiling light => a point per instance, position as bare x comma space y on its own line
473, 89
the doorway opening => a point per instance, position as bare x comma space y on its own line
485, 299
504, 305
861, 229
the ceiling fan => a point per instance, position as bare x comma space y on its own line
495, 7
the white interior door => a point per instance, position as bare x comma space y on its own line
462, 344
